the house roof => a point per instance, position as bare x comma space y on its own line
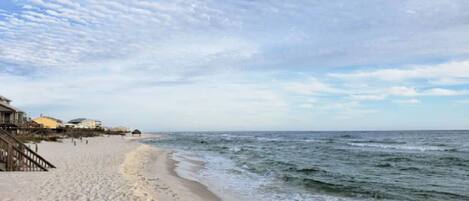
4, 98
77, 121
6, 105
5, 102
81, 120
57, 120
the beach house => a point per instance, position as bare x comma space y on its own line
48, 122
85, 123
119, 129
10, 116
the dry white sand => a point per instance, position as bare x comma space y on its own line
107, 168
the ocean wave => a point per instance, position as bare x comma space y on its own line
348, 136
364, 166
384, 165
379, 141
453, 161
397, 159
309, 170
409, 169
342, 189
401, 147
265, 139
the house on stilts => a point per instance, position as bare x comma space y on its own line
10, 116
14, 155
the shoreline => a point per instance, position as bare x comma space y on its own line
108, 168
149, 167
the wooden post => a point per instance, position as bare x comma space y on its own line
20, 157
9, 163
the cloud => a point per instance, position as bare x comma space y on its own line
408, 101
310, 87
315, 87
67, 33
309, 103
402, 91
409, 91
450, 81
368, 97
449, 73
347, 110
444, 92
64, 34
198, 104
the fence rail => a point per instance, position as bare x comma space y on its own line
18, 157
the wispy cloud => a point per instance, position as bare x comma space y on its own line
449, 73
444, 92
369, 97
310, 87
68, 34
408, 101
402, 91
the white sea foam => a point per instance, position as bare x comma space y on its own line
233, 183
186, 167
399, 146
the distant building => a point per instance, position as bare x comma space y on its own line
49, 122
69, 125
137, 132
119, 129
10, 116
84, 123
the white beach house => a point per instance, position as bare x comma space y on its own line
85, 123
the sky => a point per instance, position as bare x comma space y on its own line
196, 65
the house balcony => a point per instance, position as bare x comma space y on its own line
14, 120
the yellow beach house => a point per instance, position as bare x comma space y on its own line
48, 122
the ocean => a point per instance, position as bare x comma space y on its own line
349, 165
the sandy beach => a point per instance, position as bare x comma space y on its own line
107, 168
